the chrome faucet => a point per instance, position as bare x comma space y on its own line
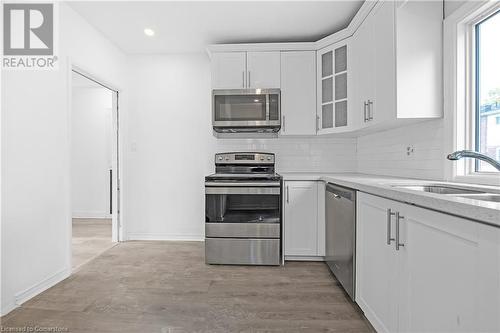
472, 154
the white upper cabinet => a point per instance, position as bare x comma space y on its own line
391, 80
241, 70
333, 87
263, 69
298, 93
362, 73
388, 73
418, 37
228, 70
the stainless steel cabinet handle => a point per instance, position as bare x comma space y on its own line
243, 81
390, 213
317, 123
284, 127
370, 110
398, 218
287, 195
248, 79
365, 104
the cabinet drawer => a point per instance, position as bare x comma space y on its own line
242, 251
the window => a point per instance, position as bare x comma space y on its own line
472, 89
487, 90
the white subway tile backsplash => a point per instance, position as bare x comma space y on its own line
384, 153
312, 154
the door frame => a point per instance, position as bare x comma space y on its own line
116, 218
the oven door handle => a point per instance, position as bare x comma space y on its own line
243, 190
242, 184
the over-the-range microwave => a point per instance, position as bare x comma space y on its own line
246, 110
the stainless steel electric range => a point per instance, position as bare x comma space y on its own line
243, 210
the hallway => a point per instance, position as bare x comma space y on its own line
91, 237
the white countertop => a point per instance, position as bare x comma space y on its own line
482, 211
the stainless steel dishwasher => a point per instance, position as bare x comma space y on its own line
341, 235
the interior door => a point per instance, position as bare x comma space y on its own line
116, 227
263, 69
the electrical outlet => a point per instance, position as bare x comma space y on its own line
410, 150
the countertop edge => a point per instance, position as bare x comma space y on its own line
381, 186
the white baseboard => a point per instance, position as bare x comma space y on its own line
41, 286
304, 258
7, 308
164, 237
91, 215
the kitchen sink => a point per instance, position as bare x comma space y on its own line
482, 197
439, 189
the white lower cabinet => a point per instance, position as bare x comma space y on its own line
444, 277
376, 273
302, 235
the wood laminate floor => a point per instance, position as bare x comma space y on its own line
91, 237
166, 287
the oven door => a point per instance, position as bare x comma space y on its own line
246, 108
243, 211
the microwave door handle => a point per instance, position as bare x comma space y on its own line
267, 107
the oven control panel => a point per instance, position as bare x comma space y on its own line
244, 158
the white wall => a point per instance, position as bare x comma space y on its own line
36, 186
35, 198
171, 147
91, 151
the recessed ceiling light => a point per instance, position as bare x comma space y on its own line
149, 32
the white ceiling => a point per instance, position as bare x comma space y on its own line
190, 26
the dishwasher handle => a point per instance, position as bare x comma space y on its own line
341, 192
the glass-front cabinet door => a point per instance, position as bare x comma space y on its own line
332, 113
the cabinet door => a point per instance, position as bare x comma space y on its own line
363, 72
300, 223
376, 263
488, 280
298, 93
228, 70
263, 69
382, 108
333, 81
439, 270
419, 26
358, 96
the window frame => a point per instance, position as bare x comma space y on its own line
460, 90
476, 88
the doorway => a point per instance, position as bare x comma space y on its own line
94, 168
